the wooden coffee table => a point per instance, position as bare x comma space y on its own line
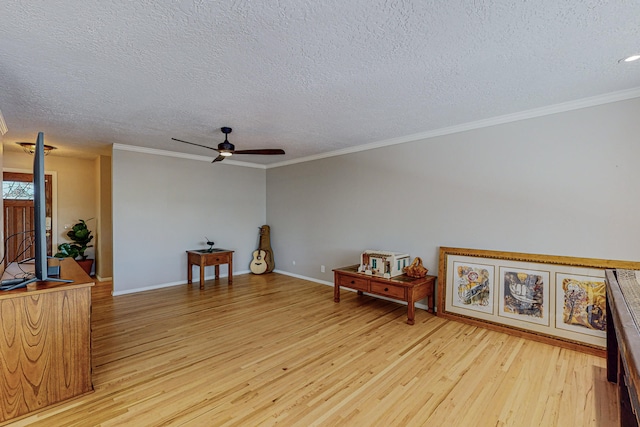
403, 288
204, 257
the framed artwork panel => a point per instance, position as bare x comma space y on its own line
473, 287
582, 304
524, 295
555, 299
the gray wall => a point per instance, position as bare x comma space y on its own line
163, 206
563, 184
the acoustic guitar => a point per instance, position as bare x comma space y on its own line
258, 264
263, 256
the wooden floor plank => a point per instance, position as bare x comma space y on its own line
273, 349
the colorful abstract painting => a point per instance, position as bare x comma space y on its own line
524, 295
581, 304
473, 285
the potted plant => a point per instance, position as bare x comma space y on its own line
81, 236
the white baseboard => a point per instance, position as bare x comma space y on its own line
310, 279
169, 284
148, 288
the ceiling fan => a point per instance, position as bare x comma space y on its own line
226, 149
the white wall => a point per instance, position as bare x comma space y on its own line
564, 184
163, 206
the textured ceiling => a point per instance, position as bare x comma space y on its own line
304, 75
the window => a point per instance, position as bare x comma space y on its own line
17, 190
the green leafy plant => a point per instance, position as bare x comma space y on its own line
81, 236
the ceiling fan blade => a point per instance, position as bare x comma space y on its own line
218, 159
267, 151
193, 143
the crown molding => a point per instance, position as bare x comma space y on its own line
157, 152
479, 124
3, 125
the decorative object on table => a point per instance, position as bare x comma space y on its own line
263, 261
383, 263
554, 299
226, 149
416, 269
210, 243
81, 236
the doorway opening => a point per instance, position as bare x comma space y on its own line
17, 197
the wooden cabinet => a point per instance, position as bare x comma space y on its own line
45, 343
403, 288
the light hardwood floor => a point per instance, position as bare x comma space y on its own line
273, 349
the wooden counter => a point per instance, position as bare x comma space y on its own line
45, 342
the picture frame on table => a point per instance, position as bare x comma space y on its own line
556, 299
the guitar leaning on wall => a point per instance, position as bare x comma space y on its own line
258, 264
263, 257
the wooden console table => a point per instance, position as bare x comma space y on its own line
403, 288
623, 344
204, 257
45, 342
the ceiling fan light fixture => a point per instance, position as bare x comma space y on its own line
226, 149
30, 148
226, 146
631, 58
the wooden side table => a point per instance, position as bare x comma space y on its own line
204, 257
402, 288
